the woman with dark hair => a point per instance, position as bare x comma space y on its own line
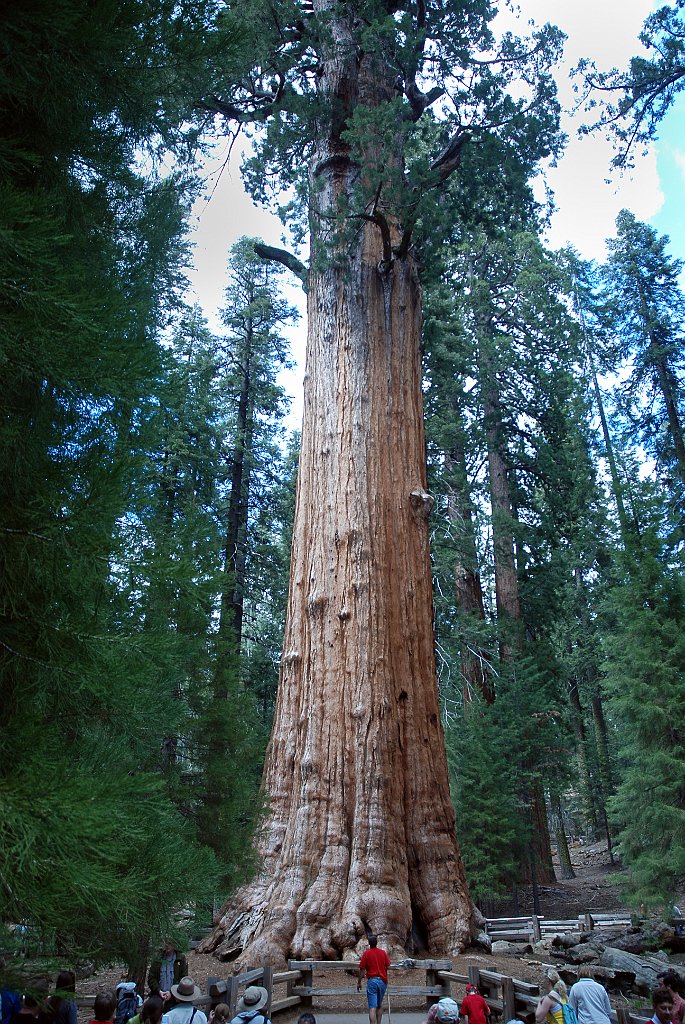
150, 1012
62, 1005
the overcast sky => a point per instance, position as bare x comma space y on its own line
605, 30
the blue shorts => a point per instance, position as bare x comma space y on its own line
375, 990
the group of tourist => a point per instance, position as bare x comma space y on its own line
587, 998
174, 995
38, 1005
590, 1002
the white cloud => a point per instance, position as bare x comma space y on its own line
605, 31
218, 220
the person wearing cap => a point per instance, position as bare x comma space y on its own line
251, 1006
474, 1007
445, 1011
183, 1012
374, 963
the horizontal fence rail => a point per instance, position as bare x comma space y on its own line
535, 927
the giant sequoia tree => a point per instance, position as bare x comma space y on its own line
361, 828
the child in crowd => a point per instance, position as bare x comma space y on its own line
445, 1011
104, 1007
474, 1007
671, 980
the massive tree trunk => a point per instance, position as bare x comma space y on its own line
360, 833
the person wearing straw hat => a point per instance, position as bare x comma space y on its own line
183, 1012
250, 1006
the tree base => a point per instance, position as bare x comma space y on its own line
252, 933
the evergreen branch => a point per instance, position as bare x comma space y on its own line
287, 259
265, 105
28, 657
25, 533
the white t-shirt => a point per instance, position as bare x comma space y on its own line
182, 1014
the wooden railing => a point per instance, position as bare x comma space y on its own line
434, 988
507, 997
534, 928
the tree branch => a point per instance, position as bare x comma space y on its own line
450, 158
287, 259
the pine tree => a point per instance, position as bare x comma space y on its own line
646, 90
645, 315
645, 677
91, 255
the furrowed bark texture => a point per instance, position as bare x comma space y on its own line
361, 832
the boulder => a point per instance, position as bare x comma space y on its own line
511, 948
545, 947
583, 954
568, 939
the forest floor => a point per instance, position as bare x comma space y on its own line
596, 887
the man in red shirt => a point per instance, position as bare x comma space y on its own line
374, 963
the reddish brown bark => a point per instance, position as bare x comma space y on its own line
360, 832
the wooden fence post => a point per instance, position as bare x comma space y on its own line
474, 976
213, 999
307, 981
431, 979
508, 999
537, 934
232, 994
623, 1015
268, 983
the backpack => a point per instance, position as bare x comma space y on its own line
127, 1005
568, 1013
250, 1017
